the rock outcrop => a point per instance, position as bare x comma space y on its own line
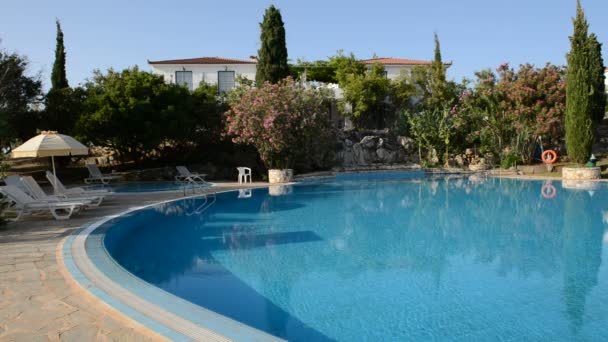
365, 148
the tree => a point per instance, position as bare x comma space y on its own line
319, 71
369, 96
579, 126
598, 96
208, 114
288, 124
58, 76
438, 94
346, 66
62, 109
19, 93
272, 55
62, 104
135, 112
433, 90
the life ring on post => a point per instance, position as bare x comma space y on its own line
549, 160
548, 191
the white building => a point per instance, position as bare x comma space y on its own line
606, 79
393, 67
212, 70
223, 71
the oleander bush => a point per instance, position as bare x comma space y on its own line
287, 123
505, 112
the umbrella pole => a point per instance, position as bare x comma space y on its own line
55, 176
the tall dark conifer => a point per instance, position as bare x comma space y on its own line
598, 95
272, 55
438, 77
579, 126
58, 76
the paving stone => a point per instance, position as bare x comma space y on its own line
86, 332
126, 335
49, 311
10, 313
6, 268
19, 266
22, 336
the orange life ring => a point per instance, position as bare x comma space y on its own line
551, 160
548, 191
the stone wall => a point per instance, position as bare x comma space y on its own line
581, 173
369, 147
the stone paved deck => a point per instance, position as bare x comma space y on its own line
37, 303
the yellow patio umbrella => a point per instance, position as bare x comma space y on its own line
50, 144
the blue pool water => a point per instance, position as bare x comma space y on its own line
385, 260
141, 186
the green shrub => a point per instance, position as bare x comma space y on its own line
509, 160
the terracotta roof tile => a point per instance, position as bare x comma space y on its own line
395, 61
205, 60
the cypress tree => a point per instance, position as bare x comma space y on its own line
598, 96
579, 126
58, 77
272, 55
438, 76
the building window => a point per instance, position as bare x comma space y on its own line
225, 81
385, 73
184, 78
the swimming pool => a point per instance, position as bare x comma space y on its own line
152, 186
413, 258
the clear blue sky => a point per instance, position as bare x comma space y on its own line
475, 34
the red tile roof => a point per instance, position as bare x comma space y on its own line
397, 61
206, 60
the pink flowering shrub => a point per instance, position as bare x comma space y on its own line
505, 113
288, 125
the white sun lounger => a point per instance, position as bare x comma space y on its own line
28, 185
95, 175
15, 180
69, 192
37, 193
23, 204
184, 175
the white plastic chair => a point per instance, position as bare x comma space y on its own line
244, 174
